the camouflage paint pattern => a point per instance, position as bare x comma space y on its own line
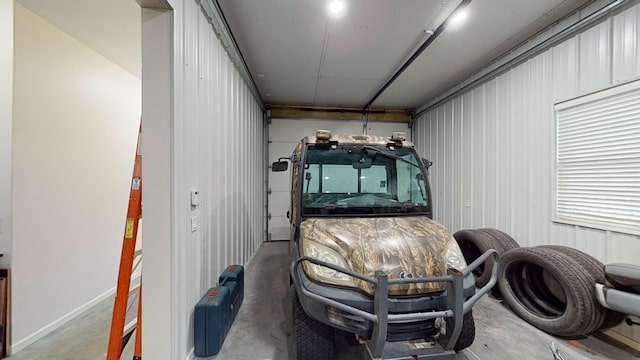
294, 186
394, 245
360, 139
294, 195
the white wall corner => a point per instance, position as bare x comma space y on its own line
6, 126
158, 271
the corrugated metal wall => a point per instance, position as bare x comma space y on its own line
493, 146
219, 142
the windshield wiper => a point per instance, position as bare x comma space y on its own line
388, 154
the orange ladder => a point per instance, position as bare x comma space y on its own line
120, 334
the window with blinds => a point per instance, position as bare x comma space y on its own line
598, 159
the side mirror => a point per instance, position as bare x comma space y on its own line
427, 163
280, 166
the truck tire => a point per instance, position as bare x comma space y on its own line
472, 244
610, 318
526, 279
312, 339
506, 242
468, 333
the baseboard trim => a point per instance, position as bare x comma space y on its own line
19, 345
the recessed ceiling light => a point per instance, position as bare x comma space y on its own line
459, 16
267, 94
260, 75
336, 8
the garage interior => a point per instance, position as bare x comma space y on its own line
224, 88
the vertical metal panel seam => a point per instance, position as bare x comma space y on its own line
484, 152
611, 49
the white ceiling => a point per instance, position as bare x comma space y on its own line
298, 55
110, 27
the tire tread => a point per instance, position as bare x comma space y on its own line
578, 318
313, 340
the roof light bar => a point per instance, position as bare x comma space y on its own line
399, 136
323, 134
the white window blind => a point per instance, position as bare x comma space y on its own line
598, 159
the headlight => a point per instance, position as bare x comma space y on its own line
454, 256
325, 274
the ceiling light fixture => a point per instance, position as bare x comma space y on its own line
336, 8
459, 16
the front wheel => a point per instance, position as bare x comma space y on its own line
468, 333
312, 340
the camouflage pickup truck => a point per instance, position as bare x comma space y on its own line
366, 257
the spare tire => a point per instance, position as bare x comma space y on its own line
595, 268
474, 243
506, 242
549, 290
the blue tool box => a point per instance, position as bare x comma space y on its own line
212, 320
216, 311
233, 278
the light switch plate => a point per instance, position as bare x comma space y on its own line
194, 224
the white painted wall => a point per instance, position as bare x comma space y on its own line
212, 140
493, 146
158, 269
6, 119
76, 116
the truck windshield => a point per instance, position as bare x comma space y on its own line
363, 180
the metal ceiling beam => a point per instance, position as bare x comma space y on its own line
416, 53
336, 113
535, 50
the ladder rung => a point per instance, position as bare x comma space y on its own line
131, 325
134, 289
135, 266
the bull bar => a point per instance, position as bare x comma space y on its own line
456, 305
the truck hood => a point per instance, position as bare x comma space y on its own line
400, 246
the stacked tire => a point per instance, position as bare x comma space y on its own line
552, 288
474, 243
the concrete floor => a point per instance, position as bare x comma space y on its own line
262, 329
83, 338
